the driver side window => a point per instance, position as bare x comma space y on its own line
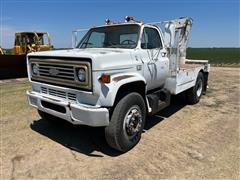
150, 39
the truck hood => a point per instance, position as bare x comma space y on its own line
102, 58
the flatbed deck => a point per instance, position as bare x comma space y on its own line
189, 66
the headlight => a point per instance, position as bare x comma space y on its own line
81, 74
35, 69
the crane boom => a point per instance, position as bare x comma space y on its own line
176, 37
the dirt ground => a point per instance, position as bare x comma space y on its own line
183, 141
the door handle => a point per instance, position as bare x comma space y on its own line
163, 54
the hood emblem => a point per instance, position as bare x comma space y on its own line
53, 71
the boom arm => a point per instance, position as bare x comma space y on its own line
176, 37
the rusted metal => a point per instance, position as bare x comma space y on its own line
119, 78
189, 66
13, 66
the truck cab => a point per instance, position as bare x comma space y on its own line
115, 76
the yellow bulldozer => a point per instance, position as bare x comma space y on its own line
26, 42
1, 51
13, 61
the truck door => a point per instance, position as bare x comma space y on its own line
153, 55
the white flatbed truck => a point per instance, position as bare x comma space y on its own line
117, 75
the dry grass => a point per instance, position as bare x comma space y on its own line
200, 141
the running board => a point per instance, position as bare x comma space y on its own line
159, 100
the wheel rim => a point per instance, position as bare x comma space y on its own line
199, 88
132, 122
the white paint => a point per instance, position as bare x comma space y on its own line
154, 72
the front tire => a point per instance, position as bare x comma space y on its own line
194, 94
127, 123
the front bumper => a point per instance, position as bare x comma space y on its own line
72, 112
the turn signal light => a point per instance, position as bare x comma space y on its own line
105, 78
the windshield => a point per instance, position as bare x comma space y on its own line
120, 36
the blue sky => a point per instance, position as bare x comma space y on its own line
216, 22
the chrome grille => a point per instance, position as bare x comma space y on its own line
60, 94
61, 71
56, 71
44, 90
72, 96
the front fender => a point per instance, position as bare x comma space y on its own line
109, 91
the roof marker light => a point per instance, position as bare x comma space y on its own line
129, 18
107, 21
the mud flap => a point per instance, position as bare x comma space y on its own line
205, 79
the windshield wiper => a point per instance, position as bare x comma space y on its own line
86, 43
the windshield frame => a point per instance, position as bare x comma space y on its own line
87, 35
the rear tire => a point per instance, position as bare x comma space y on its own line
127, 123
194, 94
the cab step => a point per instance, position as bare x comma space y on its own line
159, 100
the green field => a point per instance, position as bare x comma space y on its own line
215, 55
